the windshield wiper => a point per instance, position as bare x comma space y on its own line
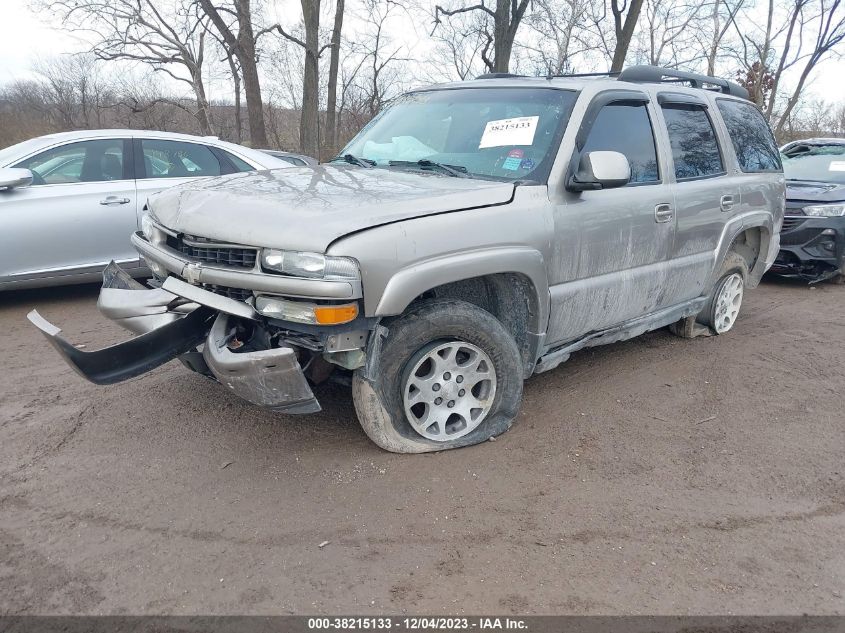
354, 160
458, 171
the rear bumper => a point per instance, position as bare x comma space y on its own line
172, 322
811, 248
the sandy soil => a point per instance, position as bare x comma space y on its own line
659, 475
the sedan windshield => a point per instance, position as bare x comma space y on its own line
498, 133
822, 163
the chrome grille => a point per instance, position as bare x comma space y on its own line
211, 253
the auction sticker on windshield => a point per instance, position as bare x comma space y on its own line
835, 165
517, 131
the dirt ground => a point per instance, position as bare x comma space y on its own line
659, 475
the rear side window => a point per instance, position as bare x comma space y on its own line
695, 150
626, 128
175, 159
751, 137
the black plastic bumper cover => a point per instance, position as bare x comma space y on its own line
812, 248
135, 356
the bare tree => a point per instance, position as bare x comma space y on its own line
722, 16
459, 46
625, 13
669, 29
309, 132
827, 24
506, 17
794, 39
165, 34
560, 28
233, 20
330, 140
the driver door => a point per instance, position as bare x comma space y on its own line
76, 216
626, 234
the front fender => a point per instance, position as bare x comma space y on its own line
408, 283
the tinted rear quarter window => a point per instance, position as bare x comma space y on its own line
626, 128
239, 163
695, 149
750, 135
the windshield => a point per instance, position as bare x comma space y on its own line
823, 163
498, 133
13, 152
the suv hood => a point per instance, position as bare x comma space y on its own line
814, 191
308, 208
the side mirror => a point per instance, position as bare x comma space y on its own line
600, 170
11, 178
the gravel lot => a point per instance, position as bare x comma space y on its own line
659, 475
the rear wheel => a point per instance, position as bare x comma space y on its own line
723, 307
448, 375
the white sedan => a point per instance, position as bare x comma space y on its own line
70, 201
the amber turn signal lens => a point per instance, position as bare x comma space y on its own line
333, 315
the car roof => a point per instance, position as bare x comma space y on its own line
117, 132
41, 142
817, 141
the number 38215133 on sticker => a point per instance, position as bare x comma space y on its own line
516, 131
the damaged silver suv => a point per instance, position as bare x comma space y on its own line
471, 235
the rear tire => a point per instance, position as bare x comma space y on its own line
448, 375
725, 301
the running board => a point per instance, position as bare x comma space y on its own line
627, 330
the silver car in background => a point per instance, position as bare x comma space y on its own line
70, 201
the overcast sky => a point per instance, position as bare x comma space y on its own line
24, 39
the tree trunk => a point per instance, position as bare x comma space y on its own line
624, 31
243, 47
309, 124
252, 90
203, 114
501, 46
236, 80
330, 141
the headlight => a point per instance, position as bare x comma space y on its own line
825, 210
312, 265
304, 312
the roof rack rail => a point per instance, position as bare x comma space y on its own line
498, 76
655, 74
607, 74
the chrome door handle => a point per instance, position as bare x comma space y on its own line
726, 203
114, 200
663, 212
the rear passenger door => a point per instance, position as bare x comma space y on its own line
626, 233
164, 163
706, 194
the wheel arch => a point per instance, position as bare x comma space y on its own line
751, 237
510, 283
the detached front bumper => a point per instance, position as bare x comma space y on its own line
812, 248
172, 322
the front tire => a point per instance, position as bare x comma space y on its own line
448, 375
